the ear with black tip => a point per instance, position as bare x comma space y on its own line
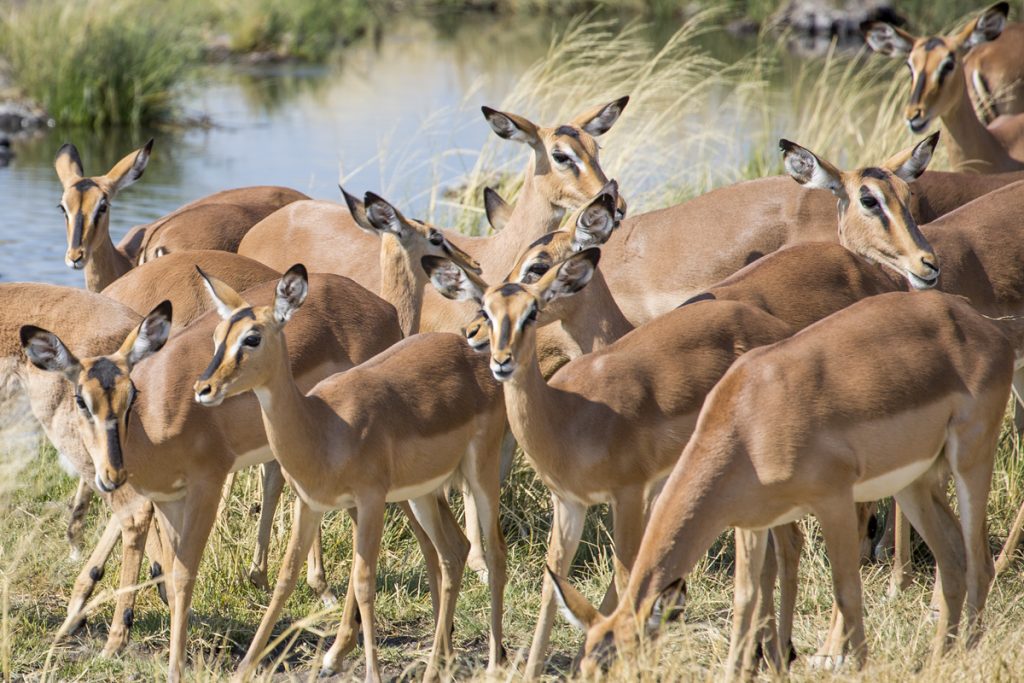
987, 27
511, 126
68, 164
150, 336
596, 221
130, 168
452, 281
910, 163
383, 216
358, 210
600, 119
575, 607
805, 167
225, 299
886, 39
291, 293
47, 352
497, 209
569, 276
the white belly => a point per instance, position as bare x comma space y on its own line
416, 490
891, 482
257, 456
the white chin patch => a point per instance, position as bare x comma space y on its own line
918, 283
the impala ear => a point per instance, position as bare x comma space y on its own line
809, 170
576, 608
358, 210
886, 39
129, 169
497, 209
291, 292
383, 216
596, 221
600, 119
987, 27
911, 163
669, 604
150, 336
225, 299
47, 352
68, 164
569, 276
452, 281
512, 127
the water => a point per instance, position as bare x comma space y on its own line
399, 114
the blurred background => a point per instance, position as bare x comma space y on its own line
385, 96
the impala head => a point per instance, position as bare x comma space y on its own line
104, 392
511, 309
248, 344
874, 207
936, 62
417, 239
566, 167
621, 631
85, 202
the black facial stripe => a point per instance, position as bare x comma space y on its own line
510, 288
915, 97
85, 184
505, 333
218, 354
106, 372
114, 455
933, 43
76, 233
567, 130
873, 172
543, 239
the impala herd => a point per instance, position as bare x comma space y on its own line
740, 360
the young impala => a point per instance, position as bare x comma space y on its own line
878, 399
393, 429
179, 454
214, 222
940, 91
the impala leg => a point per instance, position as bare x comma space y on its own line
76, 524
930, 521
187, 524
348, 629
316, 574
452, 547
767, 637
1013, 540
477, 557
628, 518
157, 561
487, 490
305, 524
887, 541
273, 484
751, 547
839, 527
429, 556
900, 578
364, 575
134, 531
1018, 403
789, 543
91, 574
566, 532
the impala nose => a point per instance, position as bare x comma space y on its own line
502, 369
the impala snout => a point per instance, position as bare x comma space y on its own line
926, 274
917, 120
620, 208
477, 335
502, 368
111, 473
74, 258
109, 481
206, 395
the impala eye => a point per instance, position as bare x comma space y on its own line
869, 202
532, 317
560, 157
102, 207
252, 341
80, 402
436, 238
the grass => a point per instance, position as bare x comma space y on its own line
36, 577
99, 63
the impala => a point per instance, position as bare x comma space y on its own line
179, 454
995, 72
214, 222
940, 91
393, 429
563, 173
876, 400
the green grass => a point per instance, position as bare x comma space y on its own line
37, 576
99, 63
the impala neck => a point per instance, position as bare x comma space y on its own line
533, 216
595, 320
401, 283
105, 263
971, 145
291, 422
